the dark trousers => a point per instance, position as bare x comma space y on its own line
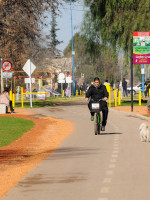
125, 92
11, 108
104, 109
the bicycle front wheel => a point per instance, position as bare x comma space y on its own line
97, 124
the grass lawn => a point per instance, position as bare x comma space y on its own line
50, 101
12, 128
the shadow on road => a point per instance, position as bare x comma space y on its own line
67, 153
110, 133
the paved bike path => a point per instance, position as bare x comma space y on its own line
111, 166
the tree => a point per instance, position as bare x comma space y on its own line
115, 21
54, 42
20, 29
101, 62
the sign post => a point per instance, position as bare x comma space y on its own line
141, 50
1, 76
61, 79
6, 67
29, 68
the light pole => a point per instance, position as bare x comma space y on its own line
73, 53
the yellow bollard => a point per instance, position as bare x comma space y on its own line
140, 97
63, 93
149, 92
80, 92
119, 98
110, 98
76, 92
13, 100
10, 95
115, 98
22, 97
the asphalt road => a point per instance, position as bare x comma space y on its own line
111, 166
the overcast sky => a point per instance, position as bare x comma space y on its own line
64, 22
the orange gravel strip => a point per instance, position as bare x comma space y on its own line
136, 109
24, 154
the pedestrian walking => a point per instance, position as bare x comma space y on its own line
4, 99
124, 86
147, 84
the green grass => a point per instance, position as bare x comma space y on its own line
12, 128
50, 101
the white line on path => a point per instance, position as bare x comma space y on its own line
107, 180
104, 189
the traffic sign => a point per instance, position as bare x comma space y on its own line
27, 80
6, 66
70, 75
61, 76
7, 74
61, 81
69, 79
29, 67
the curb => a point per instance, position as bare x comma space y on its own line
131, 114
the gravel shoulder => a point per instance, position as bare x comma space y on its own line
24, 154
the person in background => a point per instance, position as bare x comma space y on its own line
147, 85
67, 92
124, 86
106, 82
4, 99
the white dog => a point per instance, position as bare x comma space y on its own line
144, 132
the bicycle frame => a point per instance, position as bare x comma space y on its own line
97, 122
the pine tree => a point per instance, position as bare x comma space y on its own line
54, 42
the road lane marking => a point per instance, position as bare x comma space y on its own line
112, 166
109, 172
114, 156
104, 189
115, 151
107, 180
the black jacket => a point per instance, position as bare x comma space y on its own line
124, 84
97, 93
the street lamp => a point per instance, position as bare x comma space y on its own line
73, 53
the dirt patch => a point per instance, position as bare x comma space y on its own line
142, 110
22, 155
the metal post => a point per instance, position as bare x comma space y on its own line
6, 82
1, 76
30, 87
131, 79
61, 90
74, 92
143, 75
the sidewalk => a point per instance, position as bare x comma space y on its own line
142, 110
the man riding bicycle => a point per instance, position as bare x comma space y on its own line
96, 92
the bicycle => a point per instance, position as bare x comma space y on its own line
96, 108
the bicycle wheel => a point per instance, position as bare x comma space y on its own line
97, 124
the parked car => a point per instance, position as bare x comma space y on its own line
136, 89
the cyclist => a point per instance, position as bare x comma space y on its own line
96, 92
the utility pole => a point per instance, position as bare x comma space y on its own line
73, 53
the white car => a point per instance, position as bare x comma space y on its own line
136, 89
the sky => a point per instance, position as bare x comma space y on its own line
64, 22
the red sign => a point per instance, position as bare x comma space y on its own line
6, 66
70, 75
